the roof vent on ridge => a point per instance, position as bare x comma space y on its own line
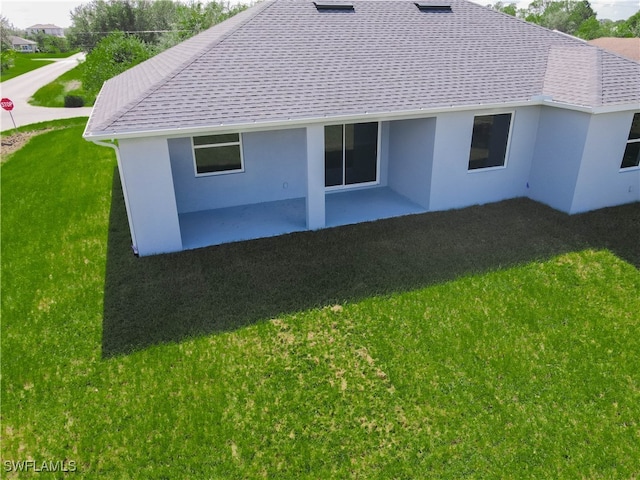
334, 6
433, 7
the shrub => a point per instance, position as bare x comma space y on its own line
6, 59
113, 55
72, 101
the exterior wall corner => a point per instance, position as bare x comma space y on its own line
146, 169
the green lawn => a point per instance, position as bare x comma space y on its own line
492, 342
25, 62
69, 83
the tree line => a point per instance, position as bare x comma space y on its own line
159, 23
130, 31
574, 17
118, 34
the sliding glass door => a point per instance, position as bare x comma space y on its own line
351, 154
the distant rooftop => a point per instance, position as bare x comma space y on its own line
627, 47
21, 41
43, 25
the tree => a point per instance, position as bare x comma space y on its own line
589, 29
91, 22
575, 17
7, 53
632, 25
580, 12
196, 17
50, 43
556, 17
6, 30
563, 15
118, 34
159, 22
509, 9
111, 56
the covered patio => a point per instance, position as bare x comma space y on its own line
269, 219
366, 205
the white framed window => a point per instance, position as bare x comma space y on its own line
217, 154
490, 141
631, 157
351, 155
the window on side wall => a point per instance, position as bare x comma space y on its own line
218, 154
489, 141
631, 157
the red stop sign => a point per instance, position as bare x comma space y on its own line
6, 104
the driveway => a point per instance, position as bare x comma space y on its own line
21, 88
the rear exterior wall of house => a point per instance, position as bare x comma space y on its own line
566, 159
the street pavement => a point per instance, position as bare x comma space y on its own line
21, 88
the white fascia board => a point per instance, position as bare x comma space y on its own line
85, 134
303, 122
621, 107
629, 107
354, 118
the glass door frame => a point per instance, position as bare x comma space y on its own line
344, 185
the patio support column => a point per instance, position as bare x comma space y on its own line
315, 177
148, 180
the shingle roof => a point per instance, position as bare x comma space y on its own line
627, 47
43, 25
21, 41
282, 59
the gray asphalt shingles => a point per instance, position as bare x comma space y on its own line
283, 59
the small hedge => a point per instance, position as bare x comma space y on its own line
72, 101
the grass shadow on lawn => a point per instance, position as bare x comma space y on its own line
168, 298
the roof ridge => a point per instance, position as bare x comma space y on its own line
599, 76
259, 8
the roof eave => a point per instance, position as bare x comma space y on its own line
359, 117
304, 121
595, 110
626, 107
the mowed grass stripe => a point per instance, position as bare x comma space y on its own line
25, 62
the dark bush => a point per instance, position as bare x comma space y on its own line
72, 101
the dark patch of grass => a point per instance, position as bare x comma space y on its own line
229, 286
68, 84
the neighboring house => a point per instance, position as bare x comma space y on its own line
295, 115
23, 45
627, 47
47, 29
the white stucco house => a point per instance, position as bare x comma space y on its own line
23, 45
299, 115
46, 28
